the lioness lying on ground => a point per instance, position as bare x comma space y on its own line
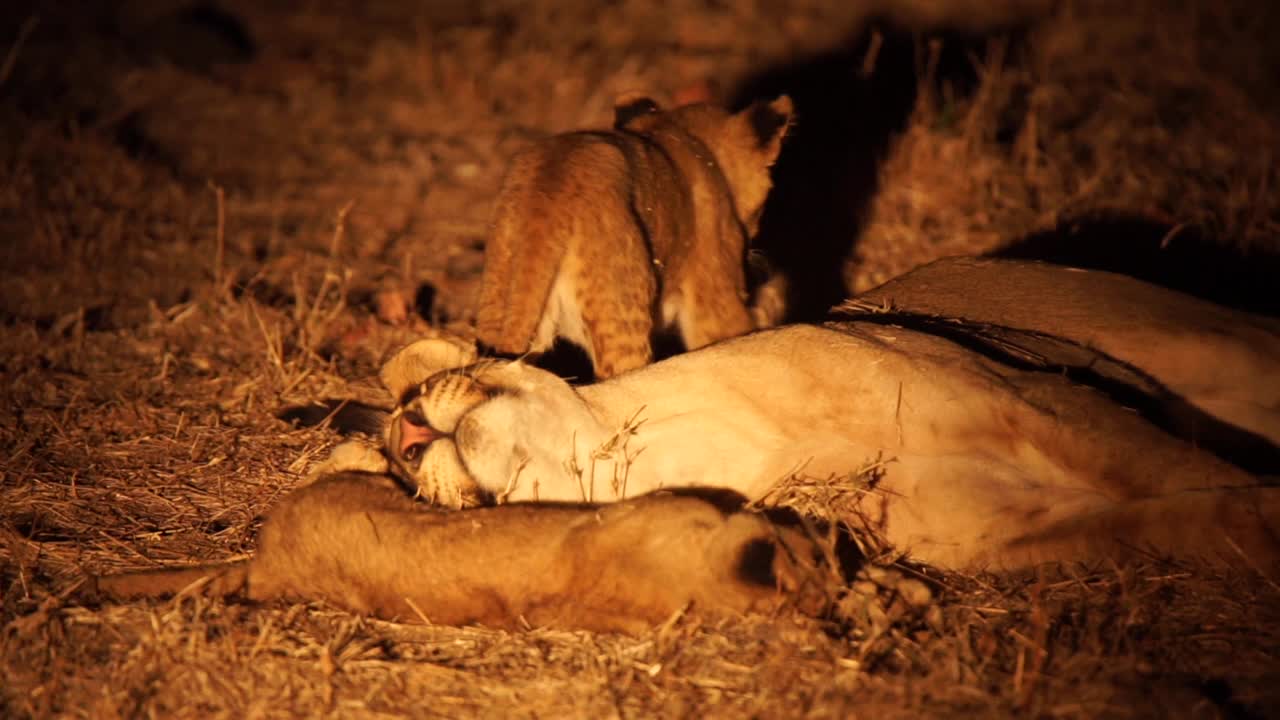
997, 391
1025, 413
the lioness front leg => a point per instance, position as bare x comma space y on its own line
358, 542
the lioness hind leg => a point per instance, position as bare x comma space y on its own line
1236, 526
634, 564
768, 564
294, 544
359, 543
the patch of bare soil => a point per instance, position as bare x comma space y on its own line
212, 210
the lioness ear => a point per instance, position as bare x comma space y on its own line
422, 359
769, 122
630, 106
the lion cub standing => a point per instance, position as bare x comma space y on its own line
596, 235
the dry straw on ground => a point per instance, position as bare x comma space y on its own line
197, 234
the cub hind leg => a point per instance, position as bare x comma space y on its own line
523, 258
711, 310
616, 298
708, 300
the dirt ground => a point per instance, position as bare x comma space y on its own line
208, 212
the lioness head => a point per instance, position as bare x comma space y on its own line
462, 432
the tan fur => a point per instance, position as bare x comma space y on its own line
358, 542
599, 237
988, 464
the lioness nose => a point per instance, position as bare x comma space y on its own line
415, 436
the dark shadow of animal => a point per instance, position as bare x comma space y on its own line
850, 103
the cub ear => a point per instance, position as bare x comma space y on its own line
769, 121
630, 106
422, 359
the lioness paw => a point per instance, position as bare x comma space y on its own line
351, 456
424, 358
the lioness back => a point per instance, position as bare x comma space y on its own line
599, 237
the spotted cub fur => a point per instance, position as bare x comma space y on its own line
599, 237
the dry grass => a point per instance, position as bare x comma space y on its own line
192, 245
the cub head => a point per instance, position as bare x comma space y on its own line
468, 431
745, 144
